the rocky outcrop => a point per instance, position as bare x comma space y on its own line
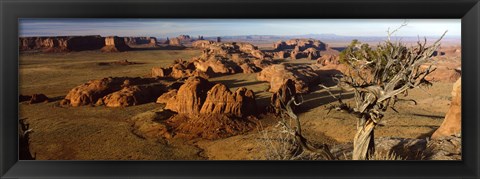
165, 97
202, 43
444, 148
115, 92
182, 69
190, 97
301, 44
299, 48
226, 49
405, 148
232, 57
61, 43
220, 100
280, 98
452, 124
132, 41
217, 65
328, 59
133, 95
35, 98
92, 91
210, 110
302, 76
115, 44
179, 41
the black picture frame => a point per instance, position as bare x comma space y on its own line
467, 10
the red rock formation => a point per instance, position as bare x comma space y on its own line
281, 54
133, 95
217, 65
210, 111
325, 60
131, 41
115, 44
303, 76
311, 53
302, 44
90, 92
220, 100
165, 97
452, 124
61, 43
280, 98
174, 42
190, 96
135, 91
35, 98
202, 43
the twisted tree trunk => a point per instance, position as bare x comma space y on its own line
363, 143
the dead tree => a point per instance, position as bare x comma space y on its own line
291, 125
378, 76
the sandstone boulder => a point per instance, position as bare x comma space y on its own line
90, 92
220, 100
217, 65
133, 95
280, 98
161, 72
93, 92
452, 124
301, 44
190, 97
328, 59
302, 76
165, 97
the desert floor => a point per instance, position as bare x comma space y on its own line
102, 133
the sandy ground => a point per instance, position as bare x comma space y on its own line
101, 133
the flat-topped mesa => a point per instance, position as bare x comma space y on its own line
61, 43
115, 44
132, 41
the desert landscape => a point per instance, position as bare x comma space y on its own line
190, 97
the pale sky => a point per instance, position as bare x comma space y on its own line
227, 27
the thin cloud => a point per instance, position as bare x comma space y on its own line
223, 27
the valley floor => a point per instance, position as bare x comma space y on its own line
102, 133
